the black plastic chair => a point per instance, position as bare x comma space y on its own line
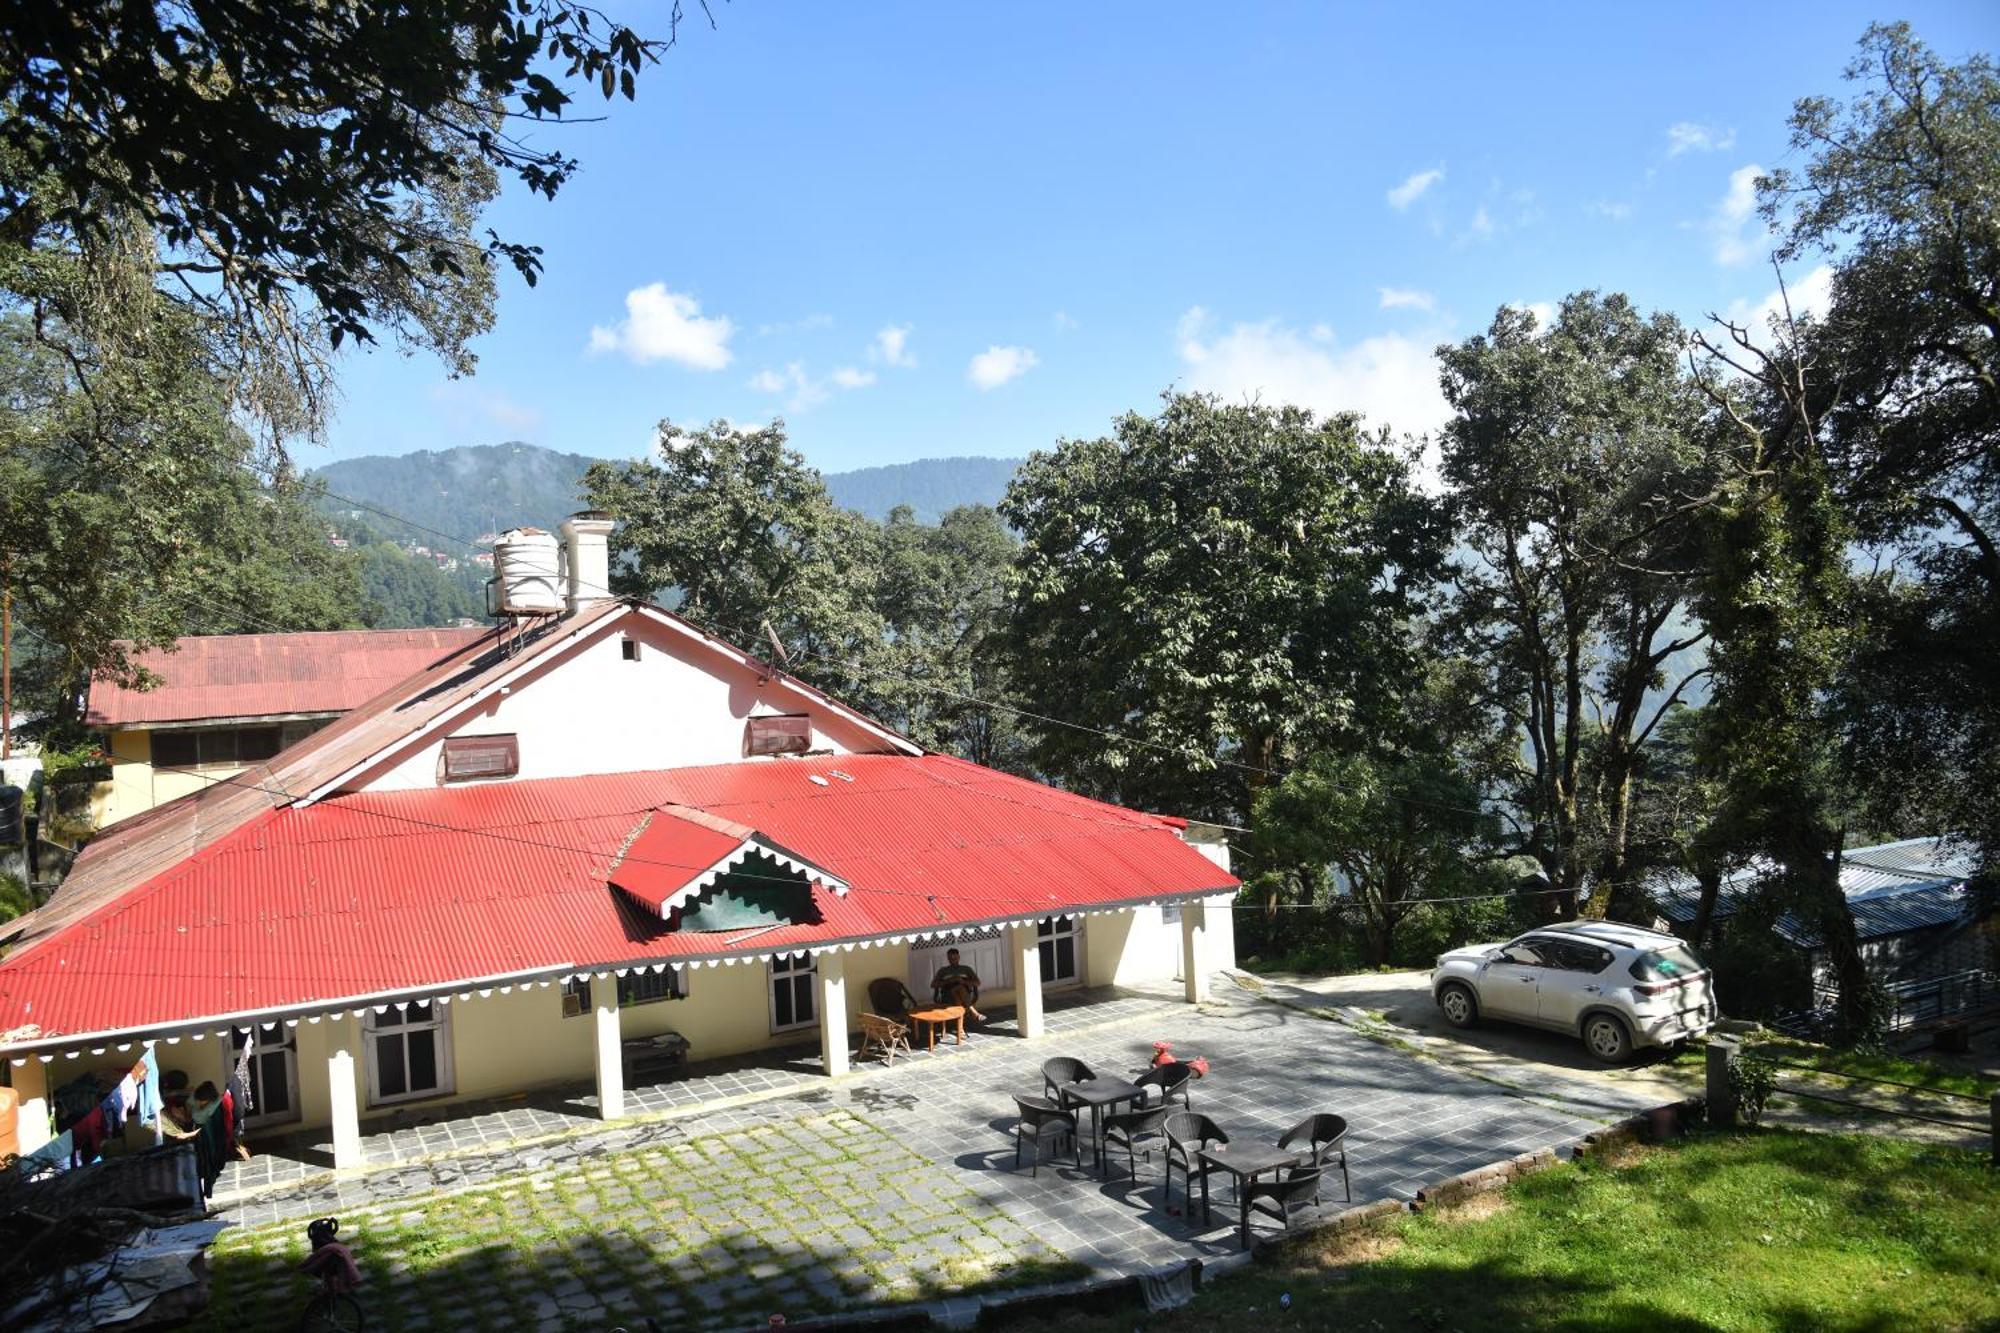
1187, 1135
1299, 1188
1042, 1122
1172, 1079
1324, 1138
1128, 1129
1061, 1070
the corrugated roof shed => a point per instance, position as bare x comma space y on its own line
1892, 888
211, 677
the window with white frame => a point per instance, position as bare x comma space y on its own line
793, 1003
640, 986
1058, 938
645, 986
409, 1053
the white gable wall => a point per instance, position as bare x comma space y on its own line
584, 709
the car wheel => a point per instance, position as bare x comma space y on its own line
1461, 1010
1606, 1039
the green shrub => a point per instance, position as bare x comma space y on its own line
15, 900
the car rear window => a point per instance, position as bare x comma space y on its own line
1668, 964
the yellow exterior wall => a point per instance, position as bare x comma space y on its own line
1106, 941
136, 786
506, 1044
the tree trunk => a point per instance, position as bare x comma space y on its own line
1709, 878
1859, 1008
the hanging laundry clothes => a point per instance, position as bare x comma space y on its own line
239, 1077
87, 1137
149, 1091
211, 1138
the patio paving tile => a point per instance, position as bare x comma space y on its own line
886, 1186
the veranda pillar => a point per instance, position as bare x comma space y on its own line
1028, 980
345, 1099
610, 1049
831, 971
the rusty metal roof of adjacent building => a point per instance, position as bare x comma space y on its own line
211, 678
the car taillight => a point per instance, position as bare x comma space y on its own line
1656, 987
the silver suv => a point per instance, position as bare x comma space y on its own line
1618, 987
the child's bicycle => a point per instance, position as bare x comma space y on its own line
334, 1309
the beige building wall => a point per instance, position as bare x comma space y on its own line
520, 1041
136, 786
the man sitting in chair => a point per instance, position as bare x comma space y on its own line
955, 983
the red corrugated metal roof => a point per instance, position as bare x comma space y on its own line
217, 676
372, 893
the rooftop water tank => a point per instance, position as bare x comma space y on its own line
527, 572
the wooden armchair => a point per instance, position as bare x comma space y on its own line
886, 995
884, 1037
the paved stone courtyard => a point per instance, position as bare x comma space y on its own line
895, 1184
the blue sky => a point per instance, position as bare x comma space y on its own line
924, 230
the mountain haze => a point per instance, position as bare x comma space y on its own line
931, 486
476, 489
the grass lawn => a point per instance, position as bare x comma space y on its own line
1769, 1229
1913, 1069
1875, 1064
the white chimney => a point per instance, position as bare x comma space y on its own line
587, 555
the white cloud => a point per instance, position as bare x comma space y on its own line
1742, 197
1406, 298
892, 346
1617, 212
802, 390
1064, 323
1543, 311
1482, 222
1414, 187
1391, 379
1687, 136
1810, 295
1731, 225
661, 325
997, 365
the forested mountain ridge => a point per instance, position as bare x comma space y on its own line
467, 491
473, 490
933, 487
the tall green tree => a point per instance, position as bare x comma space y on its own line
296, 160
941, 590
1777, 596
1402, 821
1899, 187
1216, 590
1570, 459
128, 513
738, 530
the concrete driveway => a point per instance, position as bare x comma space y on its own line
1397, 1006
